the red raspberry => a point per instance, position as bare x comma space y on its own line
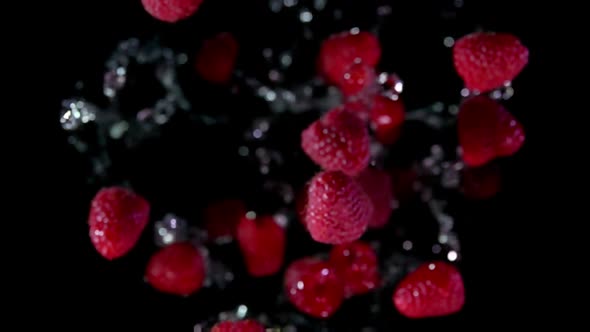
177, 269
339, 141
377, 184
338, 209
340, 51
217, 58
222, 218
486, 61
117, 218
247, 325
262, 242
487, 131
313, 287
171, 11
387, 117
482, 182
301, 203
434, 289
358, 79
357, 265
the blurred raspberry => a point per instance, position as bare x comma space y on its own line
358, 267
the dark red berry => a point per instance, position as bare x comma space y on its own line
387, 117
338, 209
217, 57
262, 242
377, 184
314, 287
177, 269
434, 289
117, 218
358, 267
171, 11
222, 218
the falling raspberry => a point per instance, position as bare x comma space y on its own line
338, 209
171, 11
222, 218
247, 325
216, 60
387, 117
314, 287
488, 60
434, 289
342, 50
377, 184
358, 79
481, 182
117, 218
177, 269
487, 131
358, 267
262, 242
339, 141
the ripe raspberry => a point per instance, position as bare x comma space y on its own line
387, 117
262, 242
434, 289
338, 209
357, 265
222, 218
171, 11
487, 131
377, 184
117, 218
486, 61
339, 141
247, 325
313, 287
177, 269
217, 57
482, 182
357, 80
342, 50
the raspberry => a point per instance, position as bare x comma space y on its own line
222, 218
171, 11
357, 265
217, 57
357, 79
486, 131
339, 141
387, 117
262, 242
377, 184
338, 209
482, 182
117, 218
313, 287
342, 50
177, 269
434, 289
486, 61
247, 325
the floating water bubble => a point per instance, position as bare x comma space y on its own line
449, 41
170, 229
305, 16
76, 112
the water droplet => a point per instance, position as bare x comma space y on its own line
458, 3
449, 41
286, 60
290, 3
407, 245
119, 129
384, 10
242, 311
436, 249
75, 113
305, 16
251, 215
464, 92
319, 4
452, 255
170, 229
355, 31
243, 151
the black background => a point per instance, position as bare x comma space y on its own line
101, 295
